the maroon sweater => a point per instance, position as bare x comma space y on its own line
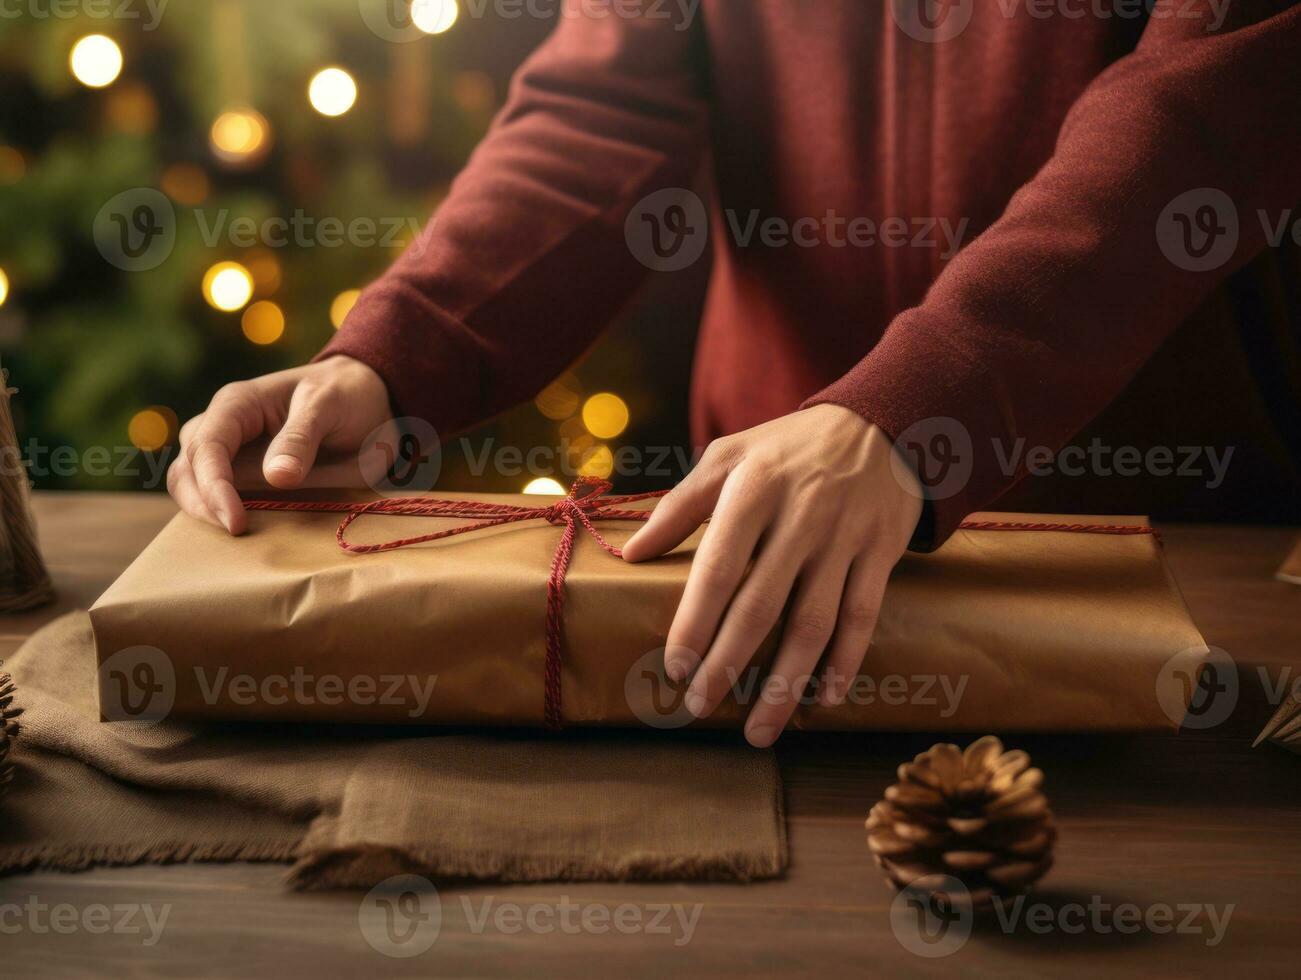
1049, 147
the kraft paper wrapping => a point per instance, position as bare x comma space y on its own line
997, 630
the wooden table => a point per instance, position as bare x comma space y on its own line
1155, 821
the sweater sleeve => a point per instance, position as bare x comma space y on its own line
1172, 170
525, 262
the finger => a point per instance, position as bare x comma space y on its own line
230, 421
860, 609
677, 516
716, 571
807, 631
293, 449
750, 617
181, 485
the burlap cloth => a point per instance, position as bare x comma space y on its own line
350, 807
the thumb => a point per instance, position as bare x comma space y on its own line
293, 449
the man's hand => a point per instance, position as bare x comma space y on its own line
330, 406
812, 499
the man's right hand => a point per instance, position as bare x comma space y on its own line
329, 408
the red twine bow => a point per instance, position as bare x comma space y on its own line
583, 505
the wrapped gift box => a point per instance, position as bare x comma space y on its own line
1028, 630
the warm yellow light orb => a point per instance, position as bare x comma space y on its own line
332, 92
95, 61
239, 135
186, 183
599, 462
434, 16
342, 306
228, 286
605, 415
560, 399
545, 485
149, 430
4, 287
263, 322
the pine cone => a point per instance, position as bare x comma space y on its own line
9, 713
976, 816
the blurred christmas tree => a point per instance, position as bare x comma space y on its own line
152, 169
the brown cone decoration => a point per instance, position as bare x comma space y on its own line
9, 713
976, 816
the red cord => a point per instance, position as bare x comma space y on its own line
583, 505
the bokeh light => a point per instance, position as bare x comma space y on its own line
560, 399
4, 287
605, 415
186, 183
95, 61
132, 109
264, 266
434, 16
228, 286
545, 485
240, 136
342, 306
13, 165
598, 462
263, 323
150, 429
332, 92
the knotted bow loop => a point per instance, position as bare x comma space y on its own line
585, 503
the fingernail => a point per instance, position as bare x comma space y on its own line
286, 464
761, 736
676, 670
695, 704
